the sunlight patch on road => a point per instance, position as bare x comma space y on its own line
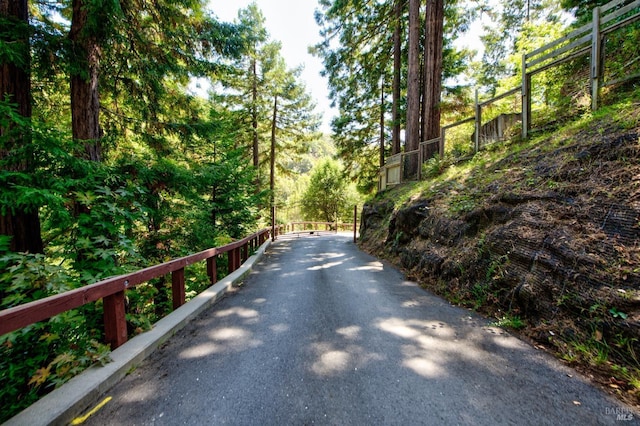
326, 256
331, 362
429, 344
229, 333
371, 266
324, 266
140, 393
273, 267
240, 312
424, 367
280, 328
200, 351
399, 328
228, 339
351, 332
415, 329
506, 341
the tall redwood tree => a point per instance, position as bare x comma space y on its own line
412, 137
85, 95
432, 84
22, 224
397, 75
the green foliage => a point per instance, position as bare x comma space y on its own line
234, 202
274, 109
618, 314
508, 22
174, 178
325, 198
511, 321
15, 50
434, 167
44, 355
582, 9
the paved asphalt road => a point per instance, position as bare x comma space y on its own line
322, 333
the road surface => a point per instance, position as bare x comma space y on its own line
321, 333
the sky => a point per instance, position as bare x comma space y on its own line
292, 23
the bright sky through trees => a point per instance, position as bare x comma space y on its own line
292, 23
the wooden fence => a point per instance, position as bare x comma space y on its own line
318, 226
586, 40
112, 290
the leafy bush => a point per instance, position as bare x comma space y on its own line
42, 356
434, 167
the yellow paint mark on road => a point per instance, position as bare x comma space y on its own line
80, 420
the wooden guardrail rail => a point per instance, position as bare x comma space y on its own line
315, 226
112, 290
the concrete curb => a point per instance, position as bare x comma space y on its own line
64, 404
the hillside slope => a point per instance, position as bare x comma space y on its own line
544, 236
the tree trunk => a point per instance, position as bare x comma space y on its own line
22, 225
382, 122
397, 71
254, 113
85, 99
272, 160
434, 21
412, 136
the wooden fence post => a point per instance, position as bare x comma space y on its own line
526, 98
236, 258
212, 269
355, 222
177, 288
443, 132
115, 322
231, 261
420, 160
596, 59
273, 223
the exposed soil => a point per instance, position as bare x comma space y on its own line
546, 240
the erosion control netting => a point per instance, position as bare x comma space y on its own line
555, 240
557, 255
576, 246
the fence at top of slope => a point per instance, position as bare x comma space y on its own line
588, 40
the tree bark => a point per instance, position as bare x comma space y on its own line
397, 71
434, 21
382, 107
22, 225
412, 135
272, 160
254, 112
85, 95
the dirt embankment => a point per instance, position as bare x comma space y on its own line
547, 241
